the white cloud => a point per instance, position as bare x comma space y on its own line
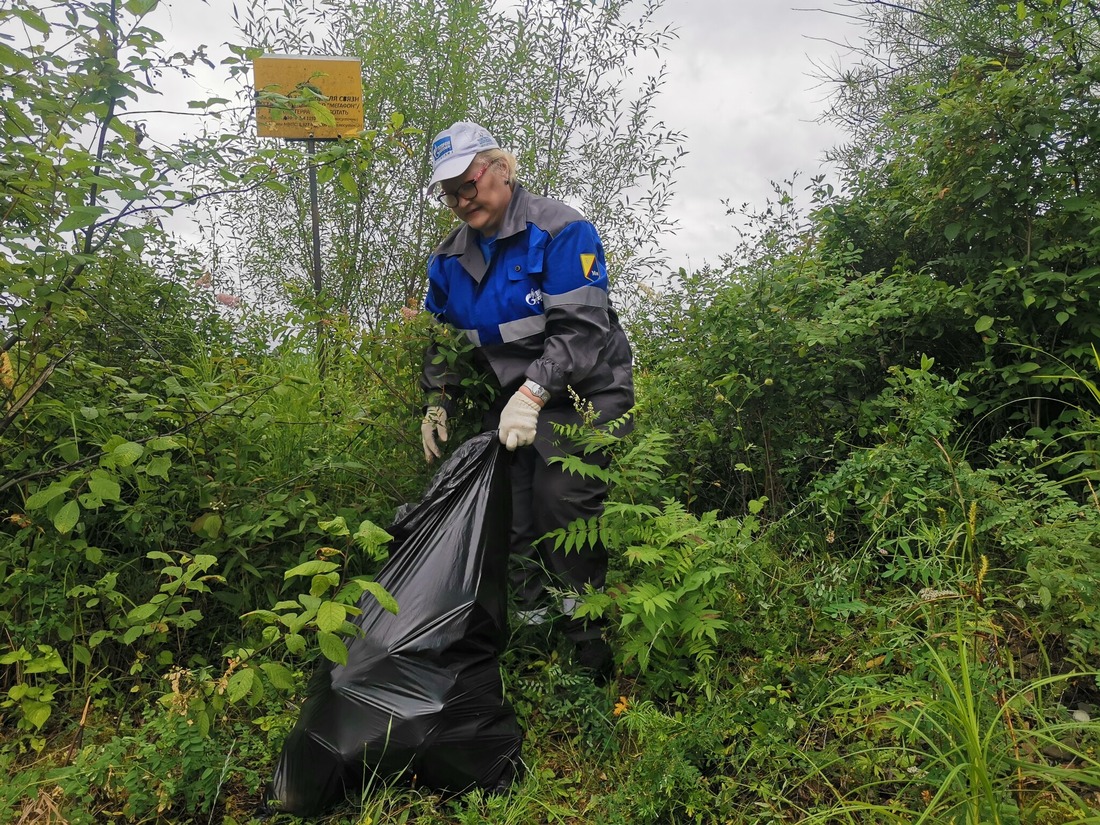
740, 87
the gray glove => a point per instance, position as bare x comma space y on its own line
518, 421
434, 423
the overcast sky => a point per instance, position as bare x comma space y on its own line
739, 86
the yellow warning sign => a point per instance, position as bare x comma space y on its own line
587, 261
308, 96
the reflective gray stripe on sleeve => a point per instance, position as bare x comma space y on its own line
586, 296
523, 328
472, 336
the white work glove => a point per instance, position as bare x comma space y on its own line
518, 420
434, 423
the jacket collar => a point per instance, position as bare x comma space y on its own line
463, 242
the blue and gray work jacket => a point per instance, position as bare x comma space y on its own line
534, 303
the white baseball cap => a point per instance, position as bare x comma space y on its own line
453, 149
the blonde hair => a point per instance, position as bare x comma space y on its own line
501, 159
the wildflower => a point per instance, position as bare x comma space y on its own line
621, 706
411, 309
231, 301
205, 280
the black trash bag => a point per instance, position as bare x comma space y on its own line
421, 694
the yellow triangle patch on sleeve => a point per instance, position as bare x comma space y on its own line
587, 262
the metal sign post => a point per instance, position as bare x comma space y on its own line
334, 82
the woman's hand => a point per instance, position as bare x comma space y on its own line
434, 423
518, 421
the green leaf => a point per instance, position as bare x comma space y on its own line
983, 323
208, 525
240, 684
67, 517
204, 561
295, 643
69, 450
279, 675
1044, 596
310, 568
347, 180
48, 661
333, 648
132, 635
323, 582
330, 616
13, 656
140, 8
36, 712
29, 18
127, 132
142, 613
320, 113
159, 466
44, 497
370, 536
17, 61
104, 487
381, 595
79, 217
266, 615
951, 231
126, 454
336, 527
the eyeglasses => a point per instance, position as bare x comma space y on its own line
467, 191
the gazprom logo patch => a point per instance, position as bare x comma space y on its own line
534, 297
441, 148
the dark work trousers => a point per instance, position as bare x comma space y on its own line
546, 497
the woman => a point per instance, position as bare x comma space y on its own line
524, 278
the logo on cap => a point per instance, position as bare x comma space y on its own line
442, 147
